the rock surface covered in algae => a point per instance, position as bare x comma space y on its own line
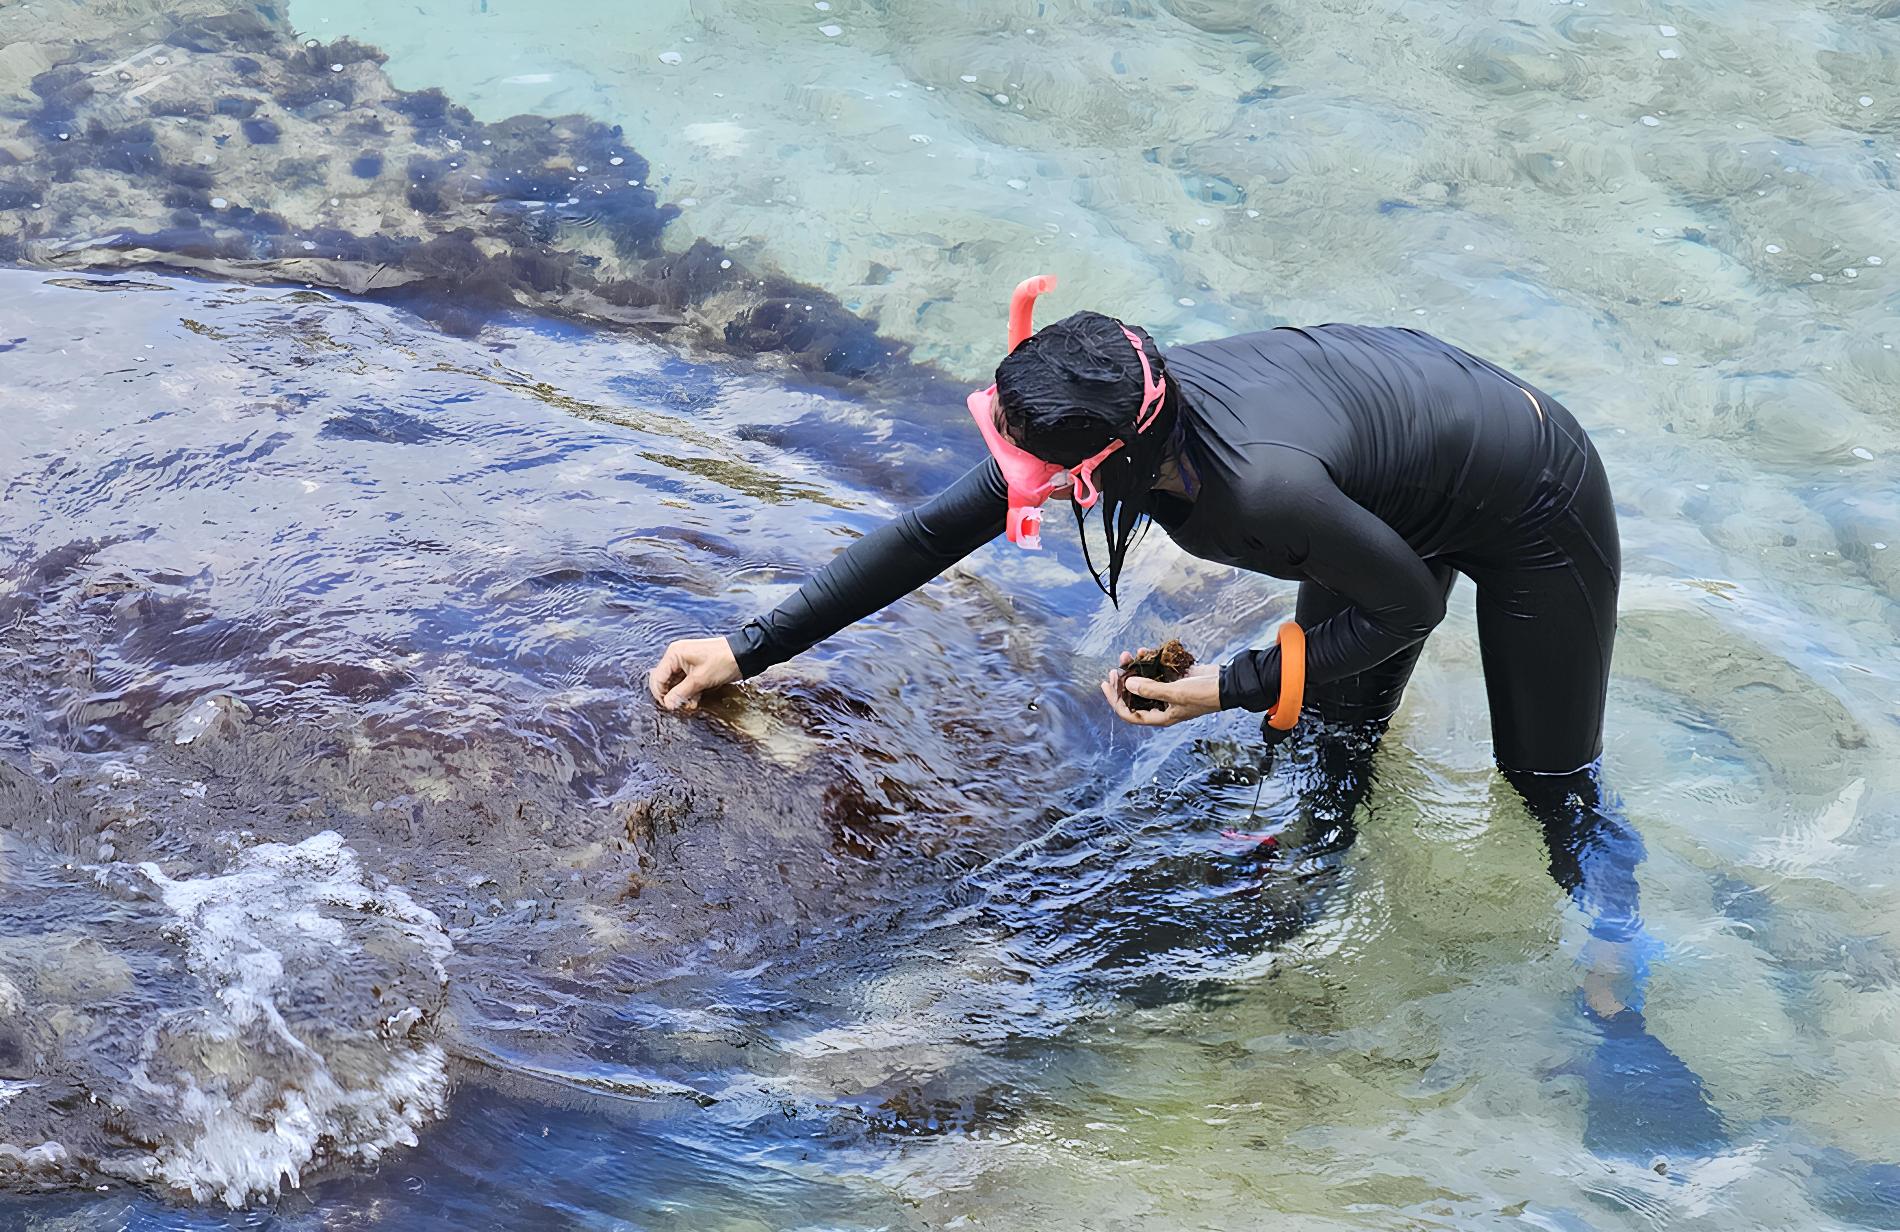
213, 139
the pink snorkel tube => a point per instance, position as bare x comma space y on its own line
1031, 480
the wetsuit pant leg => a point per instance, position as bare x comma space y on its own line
1546, 629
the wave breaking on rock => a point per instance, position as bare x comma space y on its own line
219, 1036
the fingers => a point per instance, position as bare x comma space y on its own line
678, 679
1127, 658
664, 673
1154, 690
685, 694
1112, 691
1178, 698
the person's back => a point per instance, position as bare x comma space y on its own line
1456, 455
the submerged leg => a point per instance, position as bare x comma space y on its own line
1329, 765
1594, 852
1246, 901
1344, 722
1166, 900
1546, 629
1643, 1098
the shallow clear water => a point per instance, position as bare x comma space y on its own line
884, 942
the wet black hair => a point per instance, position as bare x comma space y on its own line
1066, 392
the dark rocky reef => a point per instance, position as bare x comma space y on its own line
228, 147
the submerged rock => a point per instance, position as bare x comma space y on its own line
217, 1035
326, 772
228, 147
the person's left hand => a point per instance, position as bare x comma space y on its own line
1194, 695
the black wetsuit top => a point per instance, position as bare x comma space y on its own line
1368, 462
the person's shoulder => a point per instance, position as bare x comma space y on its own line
1250, 358
1299, 339
1382, 337
1358, 329
1252, 340
1279, 480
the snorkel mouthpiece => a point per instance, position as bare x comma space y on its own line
1025, 528
1030, 479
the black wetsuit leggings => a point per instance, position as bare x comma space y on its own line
1545, 631
1546, 625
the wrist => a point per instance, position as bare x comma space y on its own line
749, 654
1234, 689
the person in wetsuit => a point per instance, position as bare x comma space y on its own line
1372, 466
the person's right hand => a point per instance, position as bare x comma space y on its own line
1190, 697
689, 667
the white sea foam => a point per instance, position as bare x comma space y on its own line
283, 1069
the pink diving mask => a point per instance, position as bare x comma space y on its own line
1031, 480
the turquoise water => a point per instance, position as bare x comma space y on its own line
833, 958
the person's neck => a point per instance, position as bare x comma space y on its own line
1171, 478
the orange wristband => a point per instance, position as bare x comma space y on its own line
1286, 712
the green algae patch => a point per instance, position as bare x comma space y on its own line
742, 477
206, 331
747, 479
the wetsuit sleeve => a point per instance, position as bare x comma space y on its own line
879, 569
1324, 536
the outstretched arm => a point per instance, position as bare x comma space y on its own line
879, 569
872, 573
